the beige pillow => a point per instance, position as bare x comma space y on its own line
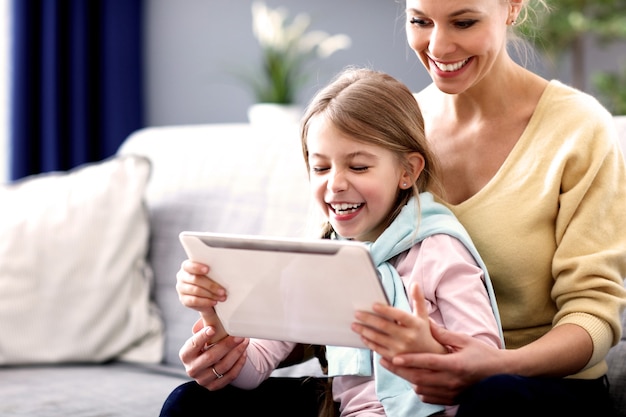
74, 282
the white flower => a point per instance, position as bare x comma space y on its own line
286, 46
333, 44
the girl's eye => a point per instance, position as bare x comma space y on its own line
318, 170
359, 168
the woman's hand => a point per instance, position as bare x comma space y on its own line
439, 363
213, 365
211, 357
440, 378
390, 331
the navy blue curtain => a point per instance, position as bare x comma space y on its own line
76, 81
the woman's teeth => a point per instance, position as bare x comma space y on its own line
345, 208
451, 67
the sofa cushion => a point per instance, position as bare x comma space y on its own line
74, 282
221, 178
107, 390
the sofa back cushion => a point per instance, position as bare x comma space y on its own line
217, 177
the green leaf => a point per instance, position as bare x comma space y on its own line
612, 88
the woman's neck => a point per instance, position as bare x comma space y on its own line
501, 94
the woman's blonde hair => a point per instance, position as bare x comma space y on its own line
529, 9
527, 19
374, 108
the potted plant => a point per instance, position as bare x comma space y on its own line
287, 50
612, 87
569, 24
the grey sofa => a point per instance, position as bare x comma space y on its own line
223, 177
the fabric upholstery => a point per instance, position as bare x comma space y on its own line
220, 178
74, 281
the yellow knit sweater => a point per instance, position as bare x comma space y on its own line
551, 225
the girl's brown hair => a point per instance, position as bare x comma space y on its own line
377, 109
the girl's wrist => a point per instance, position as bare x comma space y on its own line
209, 318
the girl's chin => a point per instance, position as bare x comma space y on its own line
349, 234
346, 234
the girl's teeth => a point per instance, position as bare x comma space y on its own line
345, 208
346, 211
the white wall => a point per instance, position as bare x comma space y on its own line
193, 45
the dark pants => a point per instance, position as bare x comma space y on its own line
512, 396
500, 395
276, 397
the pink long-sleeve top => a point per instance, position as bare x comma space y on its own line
456, 298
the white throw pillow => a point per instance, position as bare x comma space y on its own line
74, 281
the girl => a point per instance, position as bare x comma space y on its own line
369, 168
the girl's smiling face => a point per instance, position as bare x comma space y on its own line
355, 184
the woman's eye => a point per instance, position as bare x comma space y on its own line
464, 24
417, 21
461, 24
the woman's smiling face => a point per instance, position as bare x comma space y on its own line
354, 184
458, 42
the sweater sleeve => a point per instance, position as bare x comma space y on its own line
590, 261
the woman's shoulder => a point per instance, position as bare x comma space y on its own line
563, 108
572, 102
566, 114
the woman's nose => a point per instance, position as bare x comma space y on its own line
439, 43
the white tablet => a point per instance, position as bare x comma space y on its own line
288, 289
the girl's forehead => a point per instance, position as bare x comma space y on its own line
345, 148
334, 139
324, 138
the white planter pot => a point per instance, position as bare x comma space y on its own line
274, 115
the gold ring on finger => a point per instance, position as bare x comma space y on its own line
217, 374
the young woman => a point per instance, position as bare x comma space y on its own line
533, 170
369, 168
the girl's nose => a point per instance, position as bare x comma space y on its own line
337, 182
